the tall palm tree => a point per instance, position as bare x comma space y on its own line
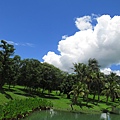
81, 70
94, 77
112, 88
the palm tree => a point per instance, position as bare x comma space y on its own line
94, 77
111, 88
93, 65
81, 70
100, 83
78, 90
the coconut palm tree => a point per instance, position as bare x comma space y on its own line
94, 77
111, 88
81, 87
93, 65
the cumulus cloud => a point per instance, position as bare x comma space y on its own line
100, 41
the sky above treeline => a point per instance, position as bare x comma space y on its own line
63, 32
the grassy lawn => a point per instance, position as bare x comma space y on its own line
59, 102
13, 93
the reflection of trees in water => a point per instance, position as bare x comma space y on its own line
52, 112
76, 116
105, 116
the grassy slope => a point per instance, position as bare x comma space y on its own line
59, 102
13, 93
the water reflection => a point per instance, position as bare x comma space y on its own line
52, 112
105, 116
76, 115
61, 115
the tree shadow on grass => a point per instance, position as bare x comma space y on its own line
84, 105
10, 90
6, 94
95, 102
24, 94
33, 93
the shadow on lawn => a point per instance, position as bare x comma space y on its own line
81, 105
6, 94
28, 93
10, 90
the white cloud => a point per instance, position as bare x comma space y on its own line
27, 44
20, 44
64, 37
83, 23
11, 42
107, 71
101, 41
53, 58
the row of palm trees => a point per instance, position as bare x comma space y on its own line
92, 81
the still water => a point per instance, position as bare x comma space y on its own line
59, 115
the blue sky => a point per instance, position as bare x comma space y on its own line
37, 26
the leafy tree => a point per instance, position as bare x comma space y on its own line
67, 84
6, 51
30, 73
51, 77
13, 71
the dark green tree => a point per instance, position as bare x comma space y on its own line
14, 70
67, 84
51, 77
30, 73
6, 51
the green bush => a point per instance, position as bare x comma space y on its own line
20, 108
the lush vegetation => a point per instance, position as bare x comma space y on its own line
85, 87
21, 108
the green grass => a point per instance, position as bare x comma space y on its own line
13, 93
59, 102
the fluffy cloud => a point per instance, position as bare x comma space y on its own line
107, 71
83, 23
101, 41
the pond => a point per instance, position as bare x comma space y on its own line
60, 115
